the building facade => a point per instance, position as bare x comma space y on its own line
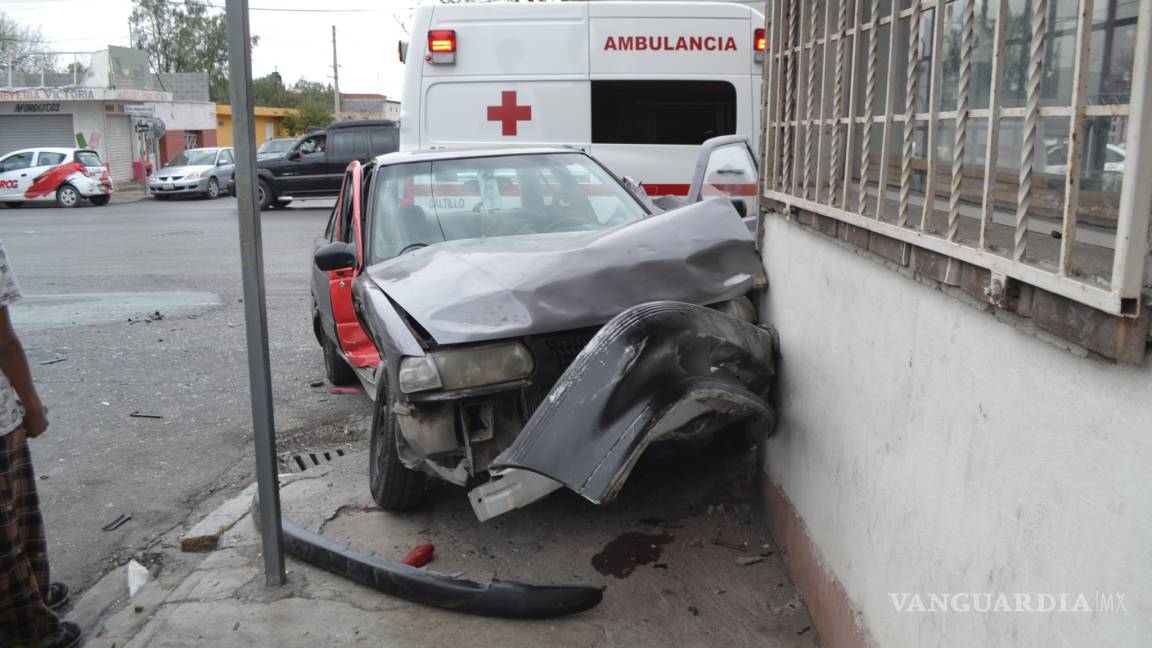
269, 123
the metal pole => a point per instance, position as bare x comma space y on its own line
252, 267
335, 76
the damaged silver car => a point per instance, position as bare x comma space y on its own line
524, 320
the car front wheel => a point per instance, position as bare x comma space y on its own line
213, 191
394, 486
67, 196
263, 194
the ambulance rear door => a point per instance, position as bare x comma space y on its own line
663, 84
519, 76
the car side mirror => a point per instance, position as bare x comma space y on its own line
337, 255
294, 154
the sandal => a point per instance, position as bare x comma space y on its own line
58, 595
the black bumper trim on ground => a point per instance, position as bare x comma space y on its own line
507, 599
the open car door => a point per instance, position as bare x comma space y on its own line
334, 288
726, 166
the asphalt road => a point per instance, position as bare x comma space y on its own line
143, 303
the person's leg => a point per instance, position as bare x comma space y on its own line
23, 553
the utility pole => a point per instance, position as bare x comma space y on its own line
335, 75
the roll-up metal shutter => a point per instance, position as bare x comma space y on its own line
118, 142
31, 131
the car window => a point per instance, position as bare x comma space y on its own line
430, 202
89, 158
48, 158
382, 140
276, 146
226, 157
346, 233
350, 144
313, 145
16, 161
194, 157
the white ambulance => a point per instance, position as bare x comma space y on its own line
639, 85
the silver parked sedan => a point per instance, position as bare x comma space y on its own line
200, 171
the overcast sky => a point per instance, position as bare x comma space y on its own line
296, 43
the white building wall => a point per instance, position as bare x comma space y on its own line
185, 115
930, 448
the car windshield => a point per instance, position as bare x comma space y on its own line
88, 158
275, 146
194, 157
423, 203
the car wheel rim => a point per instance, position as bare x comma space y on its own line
213, 190
68, 197
260, 194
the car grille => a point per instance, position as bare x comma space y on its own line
560, 350
169, 178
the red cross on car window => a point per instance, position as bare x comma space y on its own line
508, 113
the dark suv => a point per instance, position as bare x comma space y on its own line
314, 166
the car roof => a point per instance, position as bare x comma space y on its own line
361, 123
48, 149
429, 155
206, 148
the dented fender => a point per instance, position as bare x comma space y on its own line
650, 371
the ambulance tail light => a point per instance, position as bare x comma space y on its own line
441, 46
759, 43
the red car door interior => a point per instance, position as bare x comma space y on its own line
353, 341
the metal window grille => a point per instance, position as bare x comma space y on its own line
1013, 135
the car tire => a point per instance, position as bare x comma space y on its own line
394, 486
213, 190
264, 195
13, 204
338, 371
100, 200
67, 196
282, 204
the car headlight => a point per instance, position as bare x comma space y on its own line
193, 175
465, 367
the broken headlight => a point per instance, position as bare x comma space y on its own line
464, 367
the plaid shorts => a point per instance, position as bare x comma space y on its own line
23, 553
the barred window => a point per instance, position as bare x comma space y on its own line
1003, 134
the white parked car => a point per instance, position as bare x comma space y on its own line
66, 175
199, 171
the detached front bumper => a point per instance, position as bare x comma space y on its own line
653, 370
175, 187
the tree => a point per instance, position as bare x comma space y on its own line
21, 44
269, 90
188, 38
307, 115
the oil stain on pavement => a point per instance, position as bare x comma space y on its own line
621, 556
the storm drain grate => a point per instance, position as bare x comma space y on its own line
302, 461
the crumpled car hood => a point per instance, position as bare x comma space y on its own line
483, 289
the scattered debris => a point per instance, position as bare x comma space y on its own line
138, 609
1057, 234
697, 544
804, 629
621, 556
345, 390
154, 316
236, 626
117, 523
139, 414
743, 546
693, 610
54, 360
420, 555
717, 590
43, 477
137, 575
744, 561
660, 566
318, 383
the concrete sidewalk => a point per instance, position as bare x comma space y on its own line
667, 552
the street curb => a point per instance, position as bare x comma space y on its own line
205, 535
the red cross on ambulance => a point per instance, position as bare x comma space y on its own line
509, 113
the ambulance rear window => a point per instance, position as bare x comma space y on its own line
662, 112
